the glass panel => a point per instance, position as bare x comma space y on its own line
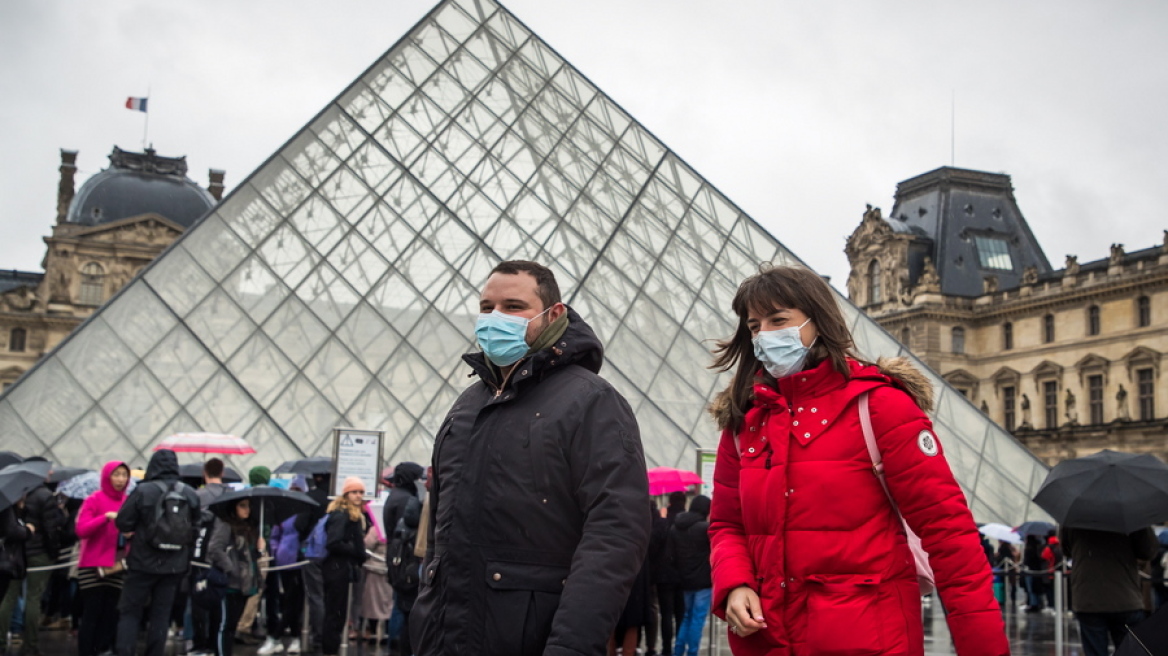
318, 223
338, 375
376, 409
178, 281
48, 400
289, 257
358, 262
305, 415
295, 330
261, 369
677, 399
337, 132
181, 364
140, 406
279, 184
438, 342
399, 139
271, 445
138, 317
223, 407
215, 247
413, 380
368, 336
347, 194
326, 293
248, 215
96, 357
397, 301
255, 289
96, 437
220, 324
18, 438
446, 93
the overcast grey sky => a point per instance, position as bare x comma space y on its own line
800, 112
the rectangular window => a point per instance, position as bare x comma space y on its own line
1095, 394
1008, 407
1050, 403
994, 253
1147, 390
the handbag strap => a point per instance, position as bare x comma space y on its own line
873, 450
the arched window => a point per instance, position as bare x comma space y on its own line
17, 339
1144, 311
874, 295
1048, 328
92, 284
958, 340
1007, 336
1093, 320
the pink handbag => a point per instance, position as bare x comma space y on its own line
920, 556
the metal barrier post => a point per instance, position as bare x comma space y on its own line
1060, 619
345, 629
305, 620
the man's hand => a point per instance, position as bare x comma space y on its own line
744, 611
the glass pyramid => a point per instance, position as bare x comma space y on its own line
338, 285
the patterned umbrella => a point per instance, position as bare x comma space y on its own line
80, 487
206, 443
663, 480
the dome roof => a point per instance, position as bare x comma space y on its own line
140, 183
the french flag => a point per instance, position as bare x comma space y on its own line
136, 103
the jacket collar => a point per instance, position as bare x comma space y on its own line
818, 396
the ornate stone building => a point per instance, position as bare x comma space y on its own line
105, 232
1068, 360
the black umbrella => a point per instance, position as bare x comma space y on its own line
9, 458
1035, 527
61, 474
1148, 638
313, 465
276, 504
16, 480
195, 470
1107, 491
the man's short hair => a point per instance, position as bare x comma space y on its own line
546, 287
213, 468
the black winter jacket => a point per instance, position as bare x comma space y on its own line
688, 548
345, 542
137, 513
14, 535
36, 503
537, 509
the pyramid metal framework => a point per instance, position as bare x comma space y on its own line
338, 284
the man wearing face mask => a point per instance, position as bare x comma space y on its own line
538, 493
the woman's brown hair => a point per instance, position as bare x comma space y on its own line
342, 503
791, 287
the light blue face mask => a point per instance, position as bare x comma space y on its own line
503, 336
781, 351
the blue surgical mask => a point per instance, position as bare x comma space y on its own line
781, 351
503, 336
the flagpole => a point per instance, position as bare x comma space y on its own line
146, 129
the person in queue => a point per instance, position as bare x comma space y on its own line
346, 526
539, 489
99, 565
808, 554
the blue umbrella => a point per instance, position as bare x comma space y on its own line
80, 487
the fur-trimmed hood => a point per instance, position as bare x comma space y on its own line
898, 371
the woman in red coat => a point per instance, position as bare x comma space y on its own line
808, 555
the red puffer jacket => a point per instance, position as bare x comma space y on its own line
801, 518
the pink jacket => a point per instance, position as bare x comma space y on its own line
99, 536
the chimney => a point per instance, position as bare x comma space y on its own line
216, 186
65, 187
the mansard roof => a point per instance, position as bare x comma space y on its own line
12, 279
975, 224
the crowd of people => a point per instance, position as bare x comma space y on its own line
533, 532
177, 560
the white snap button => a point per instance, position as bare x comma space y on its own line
814, 409
751, 449
806, 434
824, 422
795, 423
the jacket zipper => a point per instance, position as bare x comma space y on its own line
502, 386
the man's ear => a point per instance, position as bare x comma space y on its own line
558, 310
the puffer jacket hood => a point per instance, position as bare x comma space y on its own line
579, 345
107, 486
899, 371
163, 465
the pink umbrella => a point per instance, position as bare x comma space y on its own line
206, 443
663, 480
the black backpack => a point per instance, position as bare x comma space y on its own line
172, 528
404, 566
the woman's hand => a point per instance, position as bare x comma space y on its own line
111, 516
744, 611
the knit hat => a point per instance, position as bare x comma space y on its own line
353, 484
259, 475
